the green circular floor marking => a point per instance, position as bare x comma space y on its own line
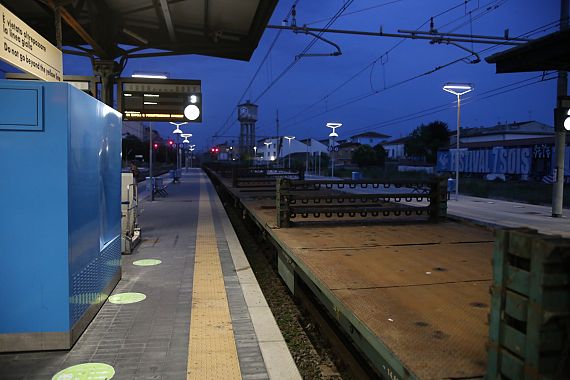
124, 298
147, 262
87, 371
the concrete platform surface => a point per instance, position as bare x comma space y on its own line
151, 339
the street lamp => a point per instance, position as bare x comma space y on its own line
191, 149
254, 155
267, 145
332, 137
150, 75
178, 132
185, 136
457, 89
289, 138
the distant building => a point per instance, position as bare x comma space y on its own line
267, 152
395, 149
503, 132
344, 155
369, 138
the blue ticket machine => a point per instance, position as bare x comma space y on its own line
60, 212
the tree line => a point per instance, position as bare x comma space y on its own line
422, 144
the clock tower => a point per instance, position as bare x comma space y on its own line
247, 116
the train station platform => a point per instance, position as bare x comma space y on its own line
188, 305
411, 294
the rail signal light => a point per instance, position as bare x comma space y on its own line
155, 146
171, 143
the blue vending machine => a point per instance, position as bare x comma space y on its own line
60, 212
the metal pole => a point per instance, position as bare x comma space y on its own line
289, 153
151, 186
307, 159
457, 148
177, 153
560, 136
332, 156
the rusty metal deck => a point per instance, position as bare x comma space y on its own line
421, 289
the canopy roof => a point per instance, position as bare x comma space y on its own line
111, 29
551, 52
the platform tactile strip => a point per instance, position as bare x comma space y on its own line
212, 350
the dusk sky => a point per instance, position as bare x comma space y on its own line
391, 108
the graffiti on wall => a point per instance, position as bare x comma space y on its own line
498, 160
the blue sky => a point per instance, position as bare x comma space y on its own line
390, 107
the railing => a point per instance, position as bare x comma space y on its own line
262, 177
360, 198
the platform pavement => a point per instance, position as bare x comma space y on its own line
495, 213
150, 339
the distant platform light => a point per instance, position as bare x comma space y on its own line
191, 112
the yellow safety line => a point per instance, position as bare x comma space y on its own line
212, 352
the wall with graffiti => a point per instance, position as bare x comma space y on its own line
536, 160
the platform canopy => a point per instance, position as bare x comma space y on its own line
551, 52
110, 29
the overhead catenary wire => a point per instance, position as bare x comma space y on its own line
305, 50
267, 54
292, 64
373, 62
369, 94
358, 11
442, 107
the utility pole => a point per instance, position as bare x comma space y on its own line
278, 138
150, 148
560, 136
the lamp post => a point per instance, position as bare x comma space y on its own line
332, 138
267, 145
191, 154
457, 89
185, 136
178, 132
289, 138
254, 155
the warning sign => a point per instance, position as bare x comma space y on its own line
24, 48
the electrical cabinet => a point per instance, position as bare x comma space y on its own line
60, 212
